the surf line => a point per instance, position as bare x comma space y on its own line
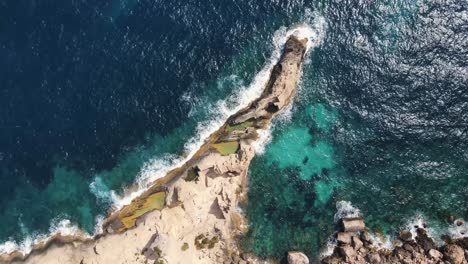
279, 80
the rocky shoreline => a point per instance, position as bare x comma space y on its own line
355, 245
191, 215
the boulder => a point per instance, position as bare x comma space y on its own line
331, 260
454, 254
343, 238
347, 252
373, 258
363, 251
365, 237
401, 253
405, 235
295, 257
353, 224
408, 247
357, 243
424, 240
435, 254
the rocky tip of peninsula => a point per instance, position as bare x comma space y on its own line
353, 243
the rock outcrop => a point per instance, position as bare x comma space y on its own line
191, 215
295, 257
355, 245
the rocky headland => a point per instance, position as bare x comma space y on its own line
191, 215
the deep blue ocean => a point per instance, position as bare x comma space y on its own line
95, 95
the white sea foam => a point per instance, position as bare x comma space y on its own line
414, 223
458, 229
381, 241
63, 227
222, 109
329, 248
98, 228
433, 230
345, 209
100, 190
264, 137
159, 167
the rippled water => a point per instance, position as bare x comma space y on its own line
380, 121
95, 95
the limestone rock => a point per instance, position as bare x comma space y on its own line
357, 243
347, 252
364, 249
353, 224
295, 257
343, 238
435, 254
365, 237
406, 235
454, 254
424, 240
373, 258
331, 260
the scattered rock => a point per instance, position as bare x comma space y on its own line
353, 224
295, 257
358, 247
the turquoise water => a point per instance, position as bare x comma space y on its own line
96, 96
377, 122
100, 96
294, 183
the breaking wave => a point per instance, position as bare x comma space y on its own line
159, 167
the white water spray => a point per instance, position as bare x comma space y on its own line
157, 168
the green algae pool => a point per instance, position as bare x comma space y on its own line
226, 148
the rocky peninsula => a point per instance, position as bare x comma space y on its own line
191, 215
